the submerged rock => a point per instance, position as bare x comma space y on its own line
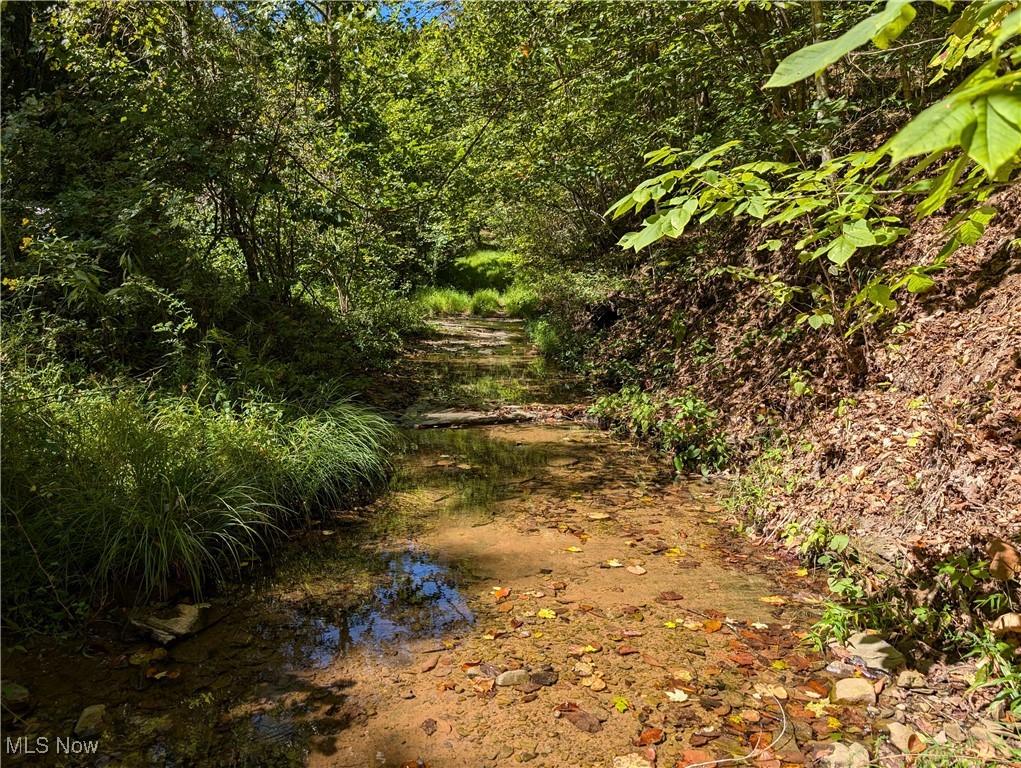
15, 697
91, 721
176, 623
512, 677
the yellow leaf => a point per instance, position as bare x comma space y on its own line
669, 624
673, 552
572, 549
774, 600
546, 613
615, 563
801, 572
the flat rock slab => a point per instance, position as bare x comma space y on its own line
470, 418
875, 651
176, 623
854, 690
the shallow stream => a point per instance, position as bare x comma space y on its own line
386, 635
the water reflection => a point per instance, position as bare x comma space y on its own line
413, 597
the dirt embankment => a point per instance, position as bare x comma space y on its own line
909, 440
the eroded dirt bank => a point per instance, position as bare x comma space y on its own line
526, 593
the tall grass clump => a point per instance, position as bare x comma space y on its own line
485, 303
443, 302
104, 490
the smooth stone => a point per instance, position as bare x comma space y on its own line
90, 722
900, 736
15, 697
910, 678
854, 690
875, 651
512, 677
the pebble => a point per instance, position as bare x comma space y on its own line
910, 678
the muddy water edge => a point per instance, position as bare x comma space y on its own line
514, 576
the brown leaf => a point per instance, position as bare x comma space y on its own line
651, 660
670, 596
583, 721
505, 607
693, 757
916, 744
712, 625
1004, 563
742, 659
627, 650
501, 593
650, 736
429, 726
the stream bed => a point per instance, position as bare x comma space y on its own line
536, 592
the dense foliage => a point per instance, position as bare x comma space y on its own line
223, 221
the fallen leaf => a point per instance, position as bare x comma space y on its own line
1004, 563
429, 726
627, 650
650, 736
583, 721
693, 625
614, 564
637, 570
670, 596
677, 696
599, 516
669, 624
773, 600
499, 593
694, 757
546, 613
712, 625
505, 607
742, 659
572, 549
621, 704
652, 661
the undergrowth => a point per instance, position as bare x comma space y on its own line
684, 427
121, 487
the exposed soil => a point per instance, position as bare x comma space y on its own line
636, 630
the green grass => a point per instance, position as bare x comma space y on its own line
484, 268
104, 489
485, 303
443, 302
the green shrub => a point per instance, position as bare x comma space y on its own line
104, 489
684, 427
520, 301
485, 303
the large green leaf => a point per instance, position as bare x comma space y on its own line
935, 129
997, 138
882, 27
